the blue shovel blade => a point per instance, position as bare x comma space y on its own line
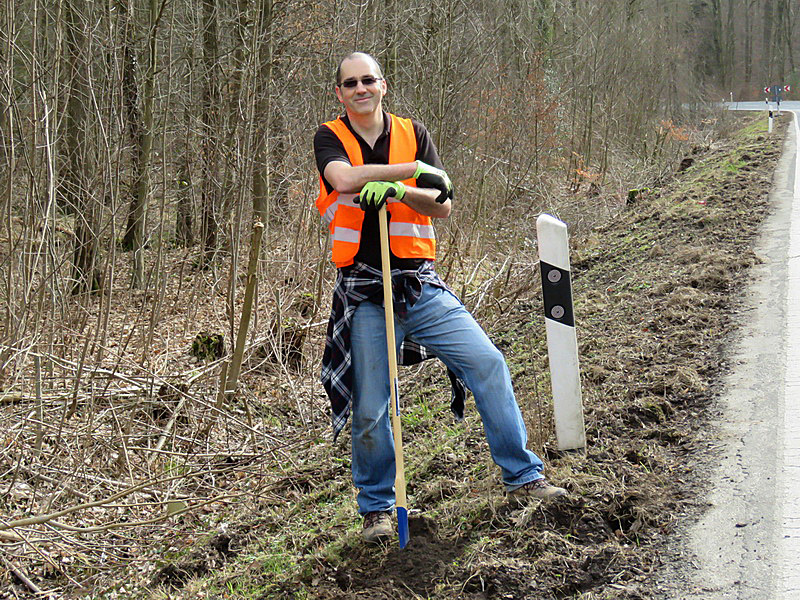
402, 526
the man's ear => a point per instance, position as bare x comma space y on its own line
338, 93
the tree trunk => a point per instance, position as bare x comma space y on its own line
76, 187
184, 220
210, 131
748, 45
788, 36
137, 216
777, 41
767, 58
730, 47
184, 233
718, 43
7, 111
7, 149
133, 118
261, 149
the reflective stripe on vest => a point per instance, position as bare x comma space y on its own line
411, 234
343, 234
330, 211
412, 229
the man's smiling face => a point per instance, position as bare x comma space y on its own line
361, 98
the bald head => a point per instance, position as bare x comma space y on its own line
357, 56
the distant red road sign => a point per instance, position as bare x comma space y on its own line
787, 88
766, 89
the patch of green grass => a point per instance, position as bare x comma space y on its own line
756, 125
277, 562
417, 414
244, 587
733, 165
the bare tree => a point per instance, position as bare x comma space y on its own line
77, 188
210, 118
137, 217
7, 144
261, 150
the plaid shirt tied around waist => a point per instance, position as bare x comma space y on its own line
357, 284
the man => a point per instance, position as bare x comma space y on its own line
366, 158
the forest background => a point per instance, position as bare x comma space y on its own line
177, 123
141, 140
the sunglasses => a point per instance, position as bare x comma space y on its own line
367, 81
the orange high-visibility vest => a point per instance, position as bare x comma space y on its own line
410, 233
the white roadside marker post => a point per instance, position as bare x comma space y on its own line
562, 341
769, 130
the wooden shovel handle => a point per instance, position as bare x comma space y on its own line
394, 398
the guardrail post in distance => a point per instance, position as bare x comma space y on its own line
562, 341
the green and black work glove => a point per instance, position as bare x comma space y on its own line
431, 177
375, 193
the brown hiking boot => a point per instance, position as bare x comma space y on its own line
538, 489
377, 527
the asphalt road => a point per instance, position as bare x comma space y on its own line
746, 546
785, 105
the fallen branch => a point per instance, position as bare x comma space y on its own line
45, 557
7, 536
40, 519
23, 578
138, 384
132, 524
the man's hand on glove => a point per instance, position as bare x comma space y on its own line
431, 177
375, 193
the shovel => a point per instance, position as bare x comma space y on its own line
394, 396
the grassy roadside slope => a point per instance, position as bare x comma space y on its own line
653, 290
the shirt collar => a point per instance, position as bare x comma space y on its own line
387, 125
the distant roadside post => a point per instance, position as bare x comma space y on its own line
786, 88
562, 341
775, 91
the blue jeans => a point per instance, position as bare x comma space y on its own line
440, 322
